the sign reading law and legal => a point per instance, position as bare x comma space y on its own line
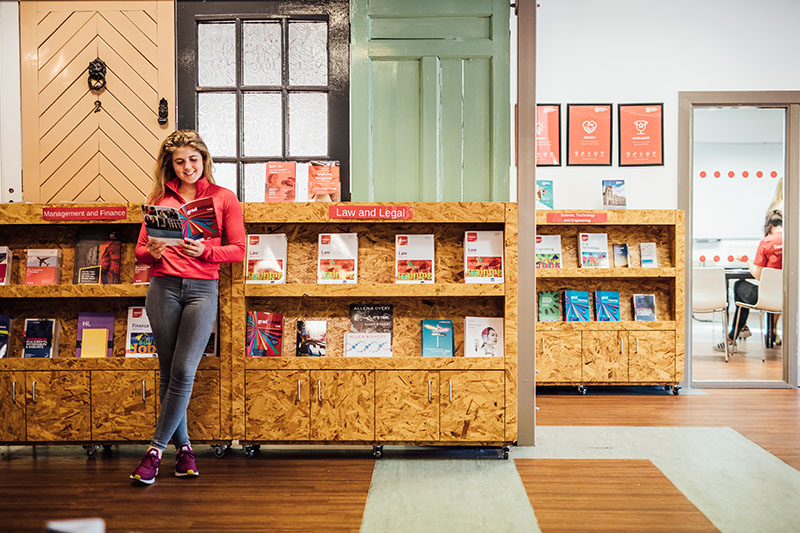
548, 135
641, 134
589, 134
374, 212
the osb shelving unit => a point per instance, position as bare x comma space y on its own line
616, 353
93, 401
403, 399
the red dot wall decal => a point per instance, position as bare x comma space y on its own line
703, 174
759, 174
716, 259
744, 258
730, 259
702, 259
773, 174
716, 174
731, 174
745, 174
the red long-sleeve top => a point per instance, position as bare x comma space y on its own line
174, 262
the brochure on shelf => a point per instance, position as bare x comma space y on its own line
413, 259
544, 194
280, 181
483, 257
620, 255
483, 337
6, 258
5, 334
41, 338
264, 334
141, 273
43, 266
614, 194
593, 250
576, 306
139, 336
606, 306
548, 251
312, 338
97, 256
437, 338
95, 337
337, 259
266, 258
644, 307
367, 344
649, 254
549, 306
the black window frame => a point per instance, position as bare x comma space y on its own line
335, 12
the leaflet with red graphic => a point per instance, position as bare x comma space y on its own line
337, 259
413, 259
281, 179
43, 266
483, 257
266, 258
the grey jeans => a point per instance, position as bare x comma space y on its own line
182, 313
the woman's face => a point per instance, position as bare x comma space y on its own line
187, 164
491, 337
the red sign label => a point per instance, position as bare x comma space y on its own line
84, 213
383, 212
577, 218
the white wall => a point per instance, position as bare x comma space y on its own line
10, 129
629, 51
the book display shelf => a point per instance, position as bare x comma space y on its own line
402, 399
92, 401
624, 352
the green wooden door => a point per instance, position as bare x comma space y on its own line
430, 100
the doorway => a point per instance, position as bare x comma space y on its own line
738, 158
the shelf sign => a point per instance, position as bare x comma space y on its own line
577, 218
382, 212
84, 213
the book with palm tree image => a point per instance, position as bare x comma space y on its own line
437, 338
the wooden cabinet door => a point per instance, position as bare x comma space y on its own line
277, 405
558, 356
406, 405
123, 404
651, 356
57, 406
342, 405
605, 357
472, 405
12, 406
69, 151
203, 414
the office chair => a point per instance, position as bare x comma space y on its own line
710, 294
770, 298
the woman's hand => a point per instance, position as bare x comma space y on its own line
156, 248
192, 248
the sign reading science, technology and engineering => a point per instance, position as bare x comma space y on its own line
589, 134
641, 134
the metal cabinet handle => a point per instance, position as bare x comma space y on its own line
144, 396
13, 392
621, 345
298, 390
637, 344
543, 352
319, 390
451, 390
33, 392
429, 391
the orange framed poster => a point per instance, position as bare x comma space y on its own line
548, 135
589, 134
641, 134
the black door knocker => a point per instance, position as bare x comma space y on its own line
97, 75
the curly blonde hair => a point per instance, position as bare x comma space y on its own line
164, 171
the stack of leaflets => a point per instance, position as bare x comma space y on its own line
43, 266
606, 306
95, 335
593, 250
576, 306
41, 338
549, 306
483, 337
483, 257
337, 260
266, 258
548, 251
264, 334
413, 259
437, 338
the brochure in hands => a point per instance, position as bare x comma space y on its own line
194, 220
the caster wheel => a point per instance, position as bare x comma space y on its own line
220, 449
676, 390
667, 387
581, 389
377, 451
506, 450
249, 450
91, 450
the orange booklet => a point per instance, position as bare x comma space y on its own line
324, 183
281, 176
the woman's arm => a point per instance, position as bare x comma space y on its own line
233, 225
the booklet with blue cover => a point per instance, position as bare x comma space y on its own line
437, 338
576, 306
606, 306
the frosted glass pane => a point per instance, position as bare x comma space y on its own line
261, 53
216, 54
308, 124
255, 181
216, 122
225, 175
263, 124
308, 53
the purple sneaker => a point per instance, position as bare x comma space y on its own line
184, 462
148, 468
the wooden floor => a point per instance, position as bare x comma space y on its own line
264, 493
770, 418
606, 495
751, 362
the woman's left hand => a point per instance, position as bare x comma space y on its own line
192, 248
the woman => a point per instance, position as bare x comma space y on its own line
769, 254
488, 341
182, 297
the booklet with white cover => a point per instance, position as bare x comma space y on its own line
266, 258
337, 259
413, 259
483, 257
483, 337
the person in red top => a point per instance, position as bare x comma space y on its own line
183, 294
768, 255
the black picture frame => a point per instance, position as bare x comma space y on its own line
660, 132
610, 130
